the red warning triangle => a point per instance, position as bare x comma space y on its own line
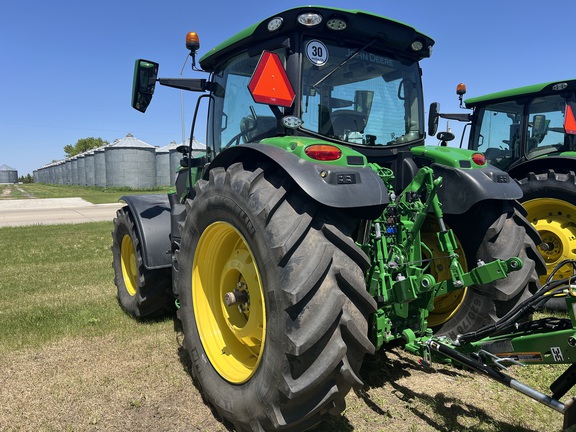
569, 120
269, 83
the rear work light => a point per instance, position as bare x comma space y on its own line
479, 159
323, 152
310, 19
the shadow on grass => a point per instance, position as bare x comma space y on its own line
381, 369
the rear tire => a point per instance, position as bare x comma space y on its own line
292, 349
493, 230
550, 200
141, 293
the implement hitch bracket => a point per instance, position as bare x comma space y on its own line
549, 340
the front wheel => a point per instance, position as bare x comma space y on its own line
142, 293
273, 302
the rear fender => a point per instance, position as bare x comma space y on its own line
356, 188
462, 188
151, 215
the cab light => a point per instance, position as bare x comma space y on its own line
275, 23
461, 89
323, 152
192, 42
479, 159
336, 24
417, 45
310, 19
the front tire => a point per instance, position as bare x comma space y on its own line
492, 230
291, 347
142, 293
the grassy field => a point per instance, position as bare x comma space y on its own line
95, 195
72, 360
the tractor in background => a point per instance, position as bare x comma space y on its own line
530, 132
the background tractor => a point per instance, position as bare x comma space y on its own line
530, 132
318, 228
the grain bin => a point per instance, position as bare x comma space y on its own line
130, 162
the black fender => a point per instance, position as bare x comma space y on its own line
356, 188
151, 215
462, 188
543, 164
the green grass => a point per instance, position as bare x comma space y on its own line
57, 282
60, 321
93, 194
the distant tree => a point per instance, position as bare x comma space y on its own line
26, 179
82, 145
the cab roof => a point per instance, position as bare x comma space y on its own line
362, 26
546, 88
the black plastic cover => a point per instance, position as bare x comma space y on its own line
151, 215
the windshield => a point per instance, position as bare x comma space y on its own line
366, 99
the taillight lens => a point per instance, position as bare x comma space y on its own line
323, 152
479, 159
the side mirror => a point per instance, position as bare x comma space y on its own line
539, 126
145, 75
363, 101
433, 118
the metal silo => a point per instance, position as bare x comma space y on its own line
8, 175
99, 167
163, 177
130, 162
89, 164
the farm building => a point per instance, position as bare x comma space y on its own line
8, 175
127, 162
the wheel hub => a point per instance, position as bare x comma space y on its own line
129, 266
555, 221
228, 302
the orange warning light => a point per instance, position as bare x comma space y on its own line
192, 41
269, 83
461, 89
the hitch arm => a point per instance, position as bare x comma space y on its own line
568, 409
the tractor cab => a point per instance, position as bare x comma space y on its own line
524, 124
346, 77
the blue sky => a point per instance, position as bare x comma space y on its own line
67, 65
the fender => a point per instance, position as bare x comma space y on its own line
151, 214
349, 187
462, 188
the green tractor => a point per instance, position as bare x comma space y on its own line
317, 228
530, 132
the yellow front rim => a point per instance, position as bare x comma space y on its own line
447, 305
555, 221
232, 336
129, 266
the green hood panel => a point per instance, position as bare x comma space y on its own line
448, 156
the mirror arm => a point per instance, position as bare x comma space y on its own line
459, 117
190, 84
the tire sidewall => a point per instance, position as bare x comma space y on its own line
123, 227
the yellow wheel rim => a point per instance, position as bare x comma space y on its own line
555, 221
447, 305
232, 336
129, 267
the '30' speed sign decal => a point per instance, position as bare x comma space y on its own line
317, 52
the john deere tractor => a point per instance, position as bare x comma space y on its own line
317, 228
530, 132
